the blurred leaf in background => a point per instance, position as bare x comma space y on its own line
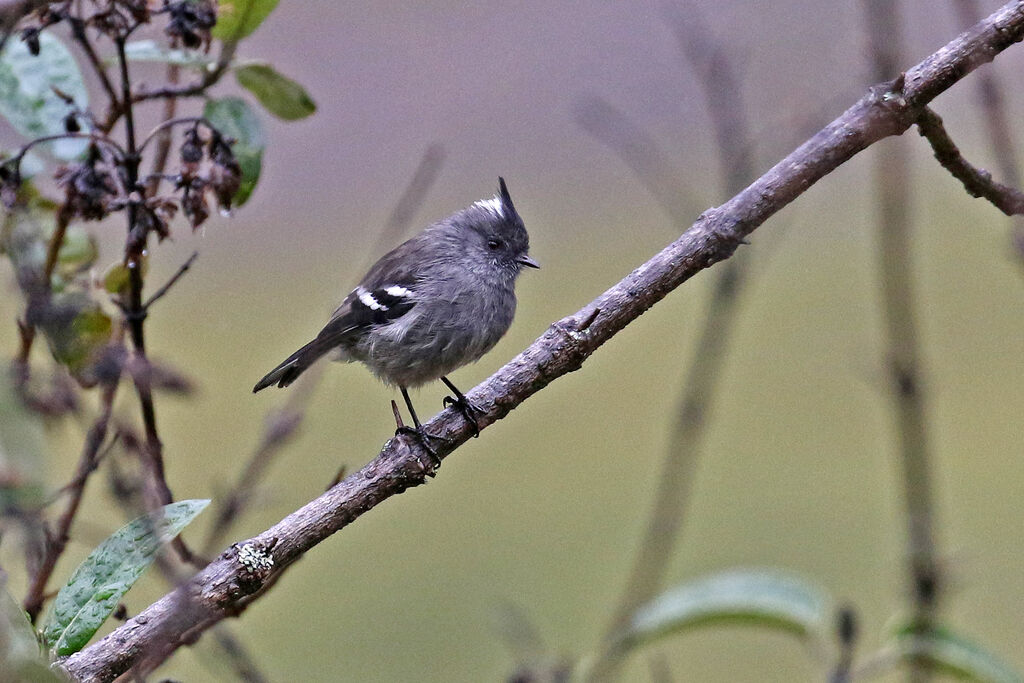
28, 85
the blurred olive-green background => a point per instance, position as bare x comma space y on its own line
544, 510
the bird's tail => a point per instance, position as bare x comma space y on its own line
297, 363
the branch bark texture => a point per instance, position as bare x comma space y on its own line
239, 574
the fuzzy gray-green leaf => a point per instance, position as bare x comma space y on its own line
98, 584
27, 98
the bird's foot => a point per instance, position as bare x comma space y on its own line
423, 438
469, 410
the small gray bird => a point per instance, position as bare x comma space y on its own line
436, 302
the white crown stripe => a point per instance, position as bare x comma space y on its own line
493, 205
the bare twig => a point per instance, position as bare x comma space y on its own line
892, 187
163, 148
1000, 133
209, 78
409, 203
78, 33
846, 635
976, 181
182, 269
641, 153
716, 74
39, 296
280, 425
238, 656
242, 572
57, 540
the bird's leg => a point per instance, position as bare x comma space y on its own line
417, 432
469, 411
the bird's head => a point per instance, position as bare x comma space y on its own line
497, 234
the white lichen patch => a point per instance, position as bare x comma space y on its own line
254, 558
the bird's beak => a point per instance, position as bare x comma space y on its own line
527, 261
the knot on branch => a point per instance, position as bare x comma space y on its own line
897, 112
257, 562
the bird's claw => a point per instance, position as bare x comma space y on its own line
423, 438
469, 410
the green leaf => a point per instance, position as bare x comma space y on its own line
20, 656
76, 328
117, 278
27, 98
152, 51
17, 638
236, 19
749, 596
234, 118
98, 584
280, 95
956, 656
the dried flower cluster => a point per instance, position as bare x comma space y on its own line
223, 176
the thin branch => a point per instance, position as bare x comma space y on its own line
978, 182
57, 540
641, 153
892, 187
1000, 133
182, 269
78, 33
94, 137
716, 74
211, 76
163, 148
167, 123
423, 178
136, 312
39, 296
242, 572
280, 425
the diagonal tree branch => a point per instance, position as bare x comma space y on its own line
240, 574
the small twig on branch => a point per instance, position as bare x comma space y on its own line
1001, 138
243, 571
978, 182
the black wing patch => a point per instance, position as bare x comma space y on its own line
381, 305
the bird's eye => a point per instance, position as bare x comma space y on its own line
494, 244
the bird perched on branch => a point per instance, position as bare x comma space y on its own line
436, 302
